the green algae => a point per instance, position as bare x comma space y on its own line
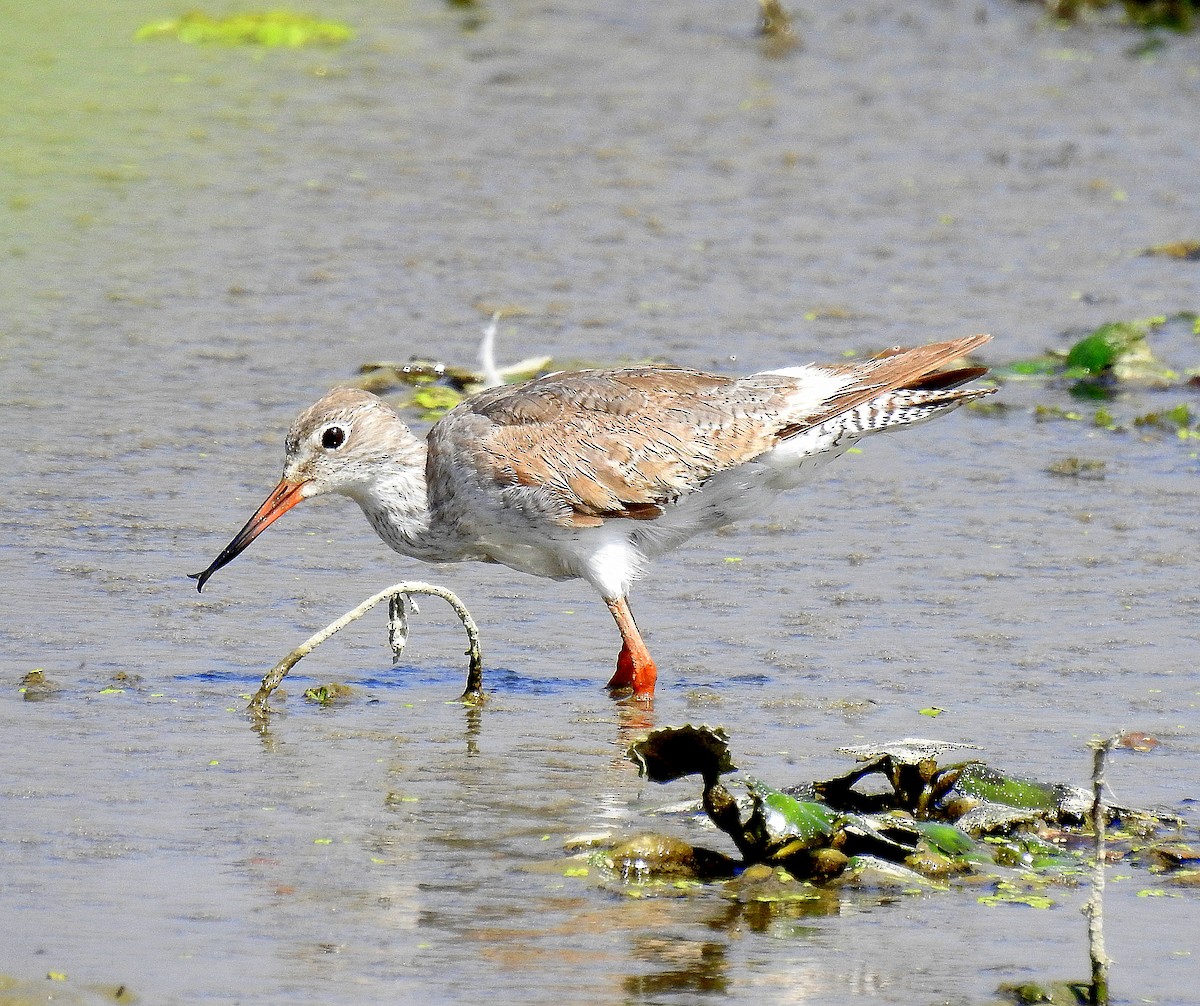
273, 29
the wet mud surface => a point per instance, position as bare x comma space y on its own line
199, 241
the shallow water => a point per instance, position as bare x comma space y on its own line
198, 242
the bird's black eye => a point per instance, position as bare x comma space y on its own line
333, 437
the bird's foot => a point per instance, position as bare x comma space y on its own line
633, 675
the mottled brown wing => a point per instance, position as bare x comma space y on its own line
620, 443
625, 443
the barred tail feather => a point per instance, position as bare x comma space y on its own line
905, 406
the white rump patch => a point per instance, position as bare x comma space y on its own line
814, 387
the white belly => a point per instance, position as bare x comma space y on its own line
612, 556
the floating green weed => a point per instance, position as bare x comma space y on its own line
1187, 250
1178, 15
435, 399
1043, 413
278, 28
1167, 419
1100, 351
1113, 354
1008, 893
326, 695
1077, 468
986, 784
945, 837
1035, 368
1032, 900
785, 817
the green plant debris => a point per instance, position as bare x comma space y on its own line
939, 820
35, 686
1036, 368
988, 407
33, 679
435, 400
1118, 350
787, 819
1187, 250
1178, 418
1050, 993
1015, 896
274, 29
1047, 413
1024, 850
382, 376
1099, 351
979, 781
946, 838
1078, 468
775, 29
326, 695
1177, 15
1100, 363
1108, 345
1181, 420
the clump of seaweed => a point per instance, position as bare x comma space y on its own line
328, 695
36, 687
1177, 15
439, 386
278, 28
931, 820
1116, 352
1102, 365
1078, 468
911, 816
1188, 251
775, 29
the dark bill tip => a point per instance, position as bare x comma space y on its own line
283, 497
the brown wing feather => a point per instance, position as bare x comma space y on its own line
916, 368
900, 368
597, 444
623, 443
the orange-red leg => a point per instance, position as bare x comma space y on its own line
635, 666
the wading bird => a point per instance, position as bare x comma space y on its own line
595, 473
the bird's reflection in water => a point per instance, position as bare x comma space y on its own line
682, 965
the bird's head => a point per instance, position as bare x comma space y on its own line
341, 444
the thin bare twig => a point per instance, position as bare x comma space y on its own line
1094, 909
400, 601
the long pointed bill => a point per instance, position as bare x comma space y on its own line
283, 497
